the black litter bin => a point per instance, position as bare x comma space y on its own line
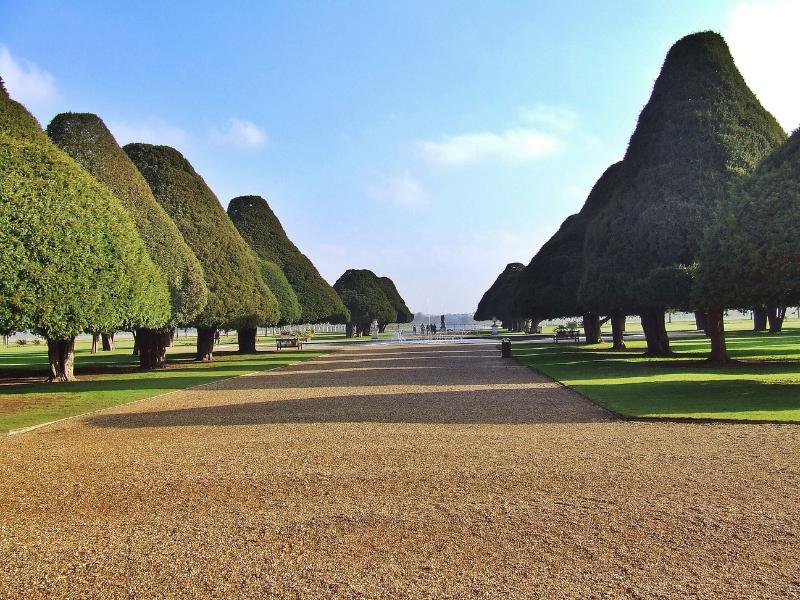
505, 348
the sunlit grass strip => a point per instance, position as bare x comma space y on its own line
26, 404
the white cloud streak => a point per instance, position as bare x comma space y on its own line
511, 145
24, 81
239, 132
553, 117
764, 42
403, 191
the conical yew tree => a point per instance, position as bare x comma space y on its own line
402, 312
288, 303
701, 130
751, 255
238, 296
72, 260
498, 301
87, 140
363, 296
260, 227
548, 288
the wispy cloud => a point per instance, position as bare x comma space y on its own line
239, 132
553, 117
511, 145
24, 81
149, 131
403, 191
764, 42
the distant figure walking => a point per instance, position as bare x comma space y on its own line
415, 329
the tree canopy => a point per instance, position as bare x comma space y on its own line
548, 287
238, 295
263, 231
402, 312
72, 259
288, 303
362, 294
701, 130
87, 140
751, 255
498, 301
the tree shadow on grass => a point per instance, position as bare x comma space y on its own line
719, 399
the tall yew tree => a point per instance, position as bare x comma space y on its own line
751, 255
87, 139
498, 301
701, 130
548, 287
402, 314
238, 296
363, 296
263, 231
288, 303
72, 259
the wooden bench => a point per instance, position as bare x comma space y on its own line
564, 335
288, 342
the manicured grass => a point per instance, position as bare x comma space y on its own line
114, 379
763, 383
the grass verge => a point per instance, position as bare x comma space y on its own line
112, 378
763, 384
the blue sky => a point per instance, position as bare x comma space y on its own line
432, 142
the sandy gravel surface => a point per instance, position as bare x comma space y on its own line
390, 472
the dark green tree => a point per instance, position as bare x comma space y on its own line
260, 227
86, 139
363, 296
548, 288
701, 130
238, 296
72, 260
751, 254
290, 308
498, 301
402, 313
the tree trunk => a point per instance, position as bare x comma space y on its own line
348, 330
95, 339
775, 316
247, 340
716, 331
135, 343
618, 330
700, 320
591, 328
173, 333
108, 341
205, 343
61, 354
759, 319
152, 345
655, 332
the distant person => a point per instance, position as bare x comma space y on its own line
415, 329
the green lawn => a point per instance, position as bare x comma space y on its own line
113, 379
763, 383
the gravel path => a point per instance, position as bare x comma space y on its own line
392, 472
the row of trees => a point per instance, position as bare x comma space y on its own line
370, 298
98, 238
699, 215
